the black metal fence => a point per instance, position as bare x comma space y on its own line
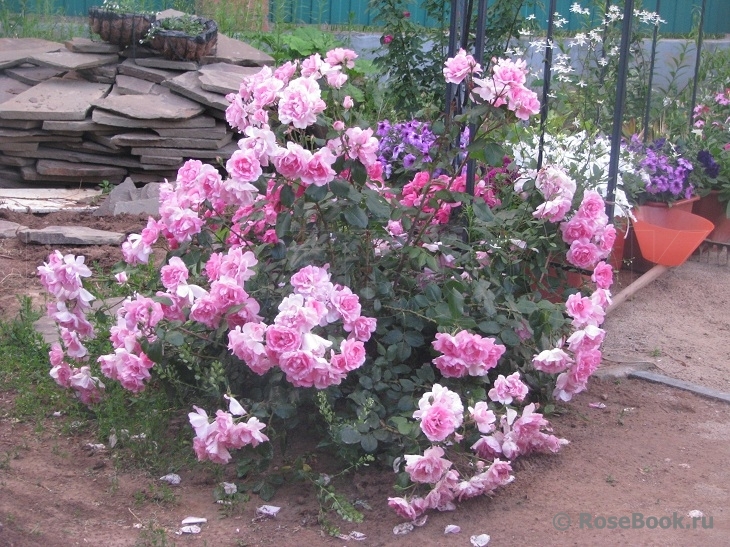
462, 29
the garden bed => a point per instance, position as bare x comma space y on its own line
662, 440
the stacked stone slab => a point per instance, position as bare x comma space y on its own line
84, 112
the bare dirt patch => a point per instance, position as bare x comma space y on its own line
652, 451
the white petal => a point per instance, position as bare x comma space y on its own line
403, 529
480, 541
234, 407
171, 478
194, 520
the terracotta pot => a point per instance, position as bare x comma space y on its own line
680, 205
179, 46
711, 208
122, 29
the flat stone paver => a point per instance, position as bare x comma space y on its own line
68, 60
85, 45
70, 235
9, 229
188, 85
230, 50
161, 107
224, 78
117, 120
54, 99
16, 51
48, 200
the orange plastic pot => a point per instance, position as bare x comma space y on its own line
682, 204
669, 236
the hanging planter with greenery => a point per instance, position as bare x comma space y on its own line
184, 38
120, 23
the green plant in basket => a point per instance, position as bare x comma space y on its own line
420, 326
186, 24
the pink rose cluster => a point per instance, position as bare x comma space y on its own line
421, 191
583, 354
558, 190
448, 485
506, 86
466, 354
62, 276
518, 436
136, 321
296, 101
214, 439
290, 341
588, 233
441, 413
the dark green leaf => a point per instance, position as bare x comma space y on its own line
283, 224
392, 337
413, 339
340, 188
355, 217
286, 196
509, 338
482, 211
316, 193
368, 293
174, 338
369, 443
350, 435
490, 327
358, 173
376, 204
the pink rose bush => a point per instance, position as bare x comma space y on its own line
214, 439
405, 319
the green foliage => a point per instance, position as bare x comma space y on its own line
411, 56
286, 43
24, 369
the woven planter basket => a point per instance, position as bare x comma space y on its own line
122, 29
176, 45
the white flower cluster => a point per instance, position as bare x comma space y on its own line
584, 157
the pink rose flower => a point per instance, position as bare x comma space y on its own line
428, 468
483, 417
602, 275
590, 337
293, 161
552, 361
300, 103
577, 229
440, 412
280, 339
583, 255
459, 67
173, 273
346, 304
584, 311
362, 328
244, 165
508, 388
319, 168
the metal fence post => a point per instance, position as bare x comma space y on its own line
698, 61
548, 61
651, 74
618, 113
